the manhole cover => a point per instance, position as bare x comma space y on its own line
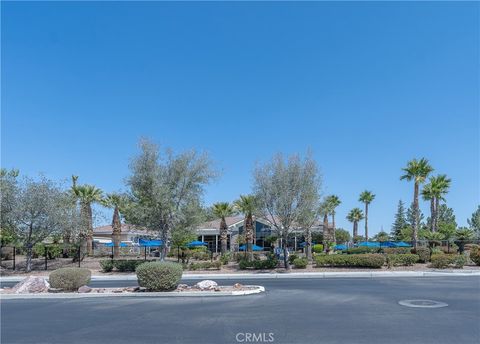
422, 303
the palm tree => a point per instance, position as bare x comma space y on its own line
116, 202
366, 197
247, 205
418, 171
333, 202
355, 215
434, 192
87, 195
324, 211
223, 210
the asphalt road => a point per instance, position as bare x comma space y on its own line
337, 310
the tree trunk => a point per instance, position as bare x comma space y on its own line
437, 205
285, 254
248, 225
326, 232
432, 214
355, 231
415, 216
29, 258
89, 229
223, 236
334, 239
308, 247
117, 229
66, 246
366, 221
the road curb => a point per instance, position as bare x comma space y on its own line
258, 289
292, 275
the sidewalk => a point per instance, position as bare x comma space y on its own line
290, 275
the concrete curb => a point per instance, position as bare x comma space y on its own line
291, 275
258, 289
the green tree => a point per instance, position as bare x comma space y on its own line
463, 236
328, 235
446, 215
416, 171
166, 190
355, 215
474, 221
286, 190
247, 205
381, 236
410, 215
223, 210
333, 201
342, 236
8, 191
87, 196
400, 221
116, 202
435, 192
366, 197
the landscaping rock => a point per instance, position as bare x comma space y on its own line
55, 290
206, 285
182, 287
31, 285
84, 289
238, 286
140, 290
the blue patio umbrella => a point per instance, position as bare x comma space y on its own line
369, 244
150, 243
196, 243
110, 244
387, 244
303, 244
254, 248
340, 247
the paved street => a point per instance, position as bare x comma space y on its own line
343, 310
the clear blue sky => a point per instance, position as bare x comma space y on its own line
365, 86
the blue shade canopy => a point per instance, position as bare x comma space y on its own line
402, 244
196, 243
254, 248
303, 244
369, 244
110, 244
340, 247
150, 243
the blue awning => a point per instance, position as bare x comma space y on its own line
369, 244
196, 243
340, 247
150, 243
110, 244
402, 244
254, 248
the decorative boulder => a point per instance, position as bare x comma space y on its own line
84, 289
206, 285
238, 286
31, 285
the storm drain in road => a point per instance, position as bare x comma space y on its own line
422, 303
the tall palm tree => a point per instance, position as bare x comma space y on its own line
247, 205
324, 211
434, 192
116, 202
87, 195
355, 215
366, 197
333, 202
416, 171
223, 210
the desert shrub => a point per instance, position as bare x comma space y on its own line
362, 250
127, 265
449, 249
265, 264
225, 258
442, 261
300, 263
53, 250
475, 254
423, 254
201, 255
292, 257
402, 259
238, 256
317, 248
396, 250
106, 265
354, 260
69, 279
205, 265
435, 250
159, 276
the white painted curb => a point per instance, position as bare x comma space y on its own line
258, 289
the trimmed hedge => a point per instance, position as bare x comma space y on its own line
362, 250
396, 250
443, 261
402, 259
159, 276
423, 254
292, 257
267, 264
300, 263
352, 260
69, 279
205, 265
106, 265
317, 248
475, 254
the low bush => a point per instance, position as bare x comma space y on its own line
317, 248
53, 250
225, 258
353, 260
69, 279
402, 259
159, 276
362, 250
127, 265
475, 254
270, 263
443, 261
300, 263
435, 250
396, 250
423, 254
201, 255
292, 257
106, 265
205, 265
